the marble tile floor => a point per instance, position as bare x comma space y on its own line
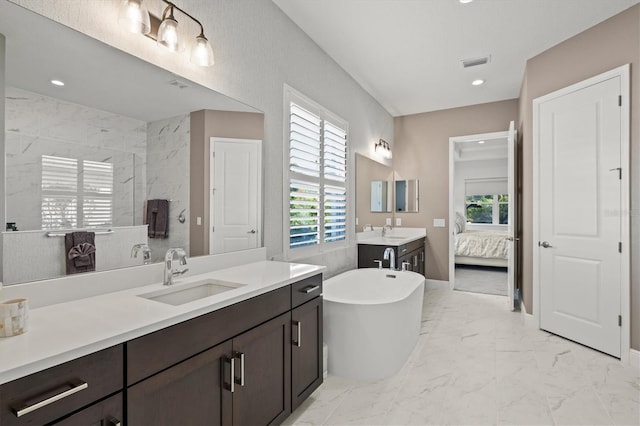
476, 363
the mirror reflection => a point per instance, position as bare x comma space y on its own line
406, 196
108, 152
381, 196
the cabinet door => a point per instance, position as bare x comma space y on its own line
263, 373
189, 393
306, 352
103, 413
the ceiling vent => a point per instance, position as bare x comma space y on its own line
180, 84
468, 63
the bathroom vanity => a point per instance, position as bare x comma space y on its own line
408, 245
247, 356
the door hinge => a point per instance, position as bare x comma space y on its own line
213, 154
619, 100
619, 320
620, 247
213, 229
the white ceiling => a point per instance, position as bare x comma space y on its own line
407, 53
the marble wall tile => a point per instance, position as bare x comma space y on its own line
38, 125
167, 166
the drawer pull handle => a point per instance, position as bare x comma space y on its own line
310, 289
112, 421
240, 356
298, 325
77, 386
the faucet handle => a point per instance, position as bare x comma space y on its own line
379, 262
406, 266
178, 272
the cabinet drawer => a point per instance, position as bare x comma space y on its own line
50, 394
154, 352
104, 413
409, 247
305, 290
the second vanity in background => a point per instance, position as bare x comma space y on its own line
408, 245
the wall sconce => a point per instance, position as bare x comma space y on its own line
382, 147
135, 17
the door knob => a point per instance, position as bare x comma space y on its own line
544, 244
253, 231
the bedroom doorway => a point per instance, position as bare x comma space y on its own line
482, 214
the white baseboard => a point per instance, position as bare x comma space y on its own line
528, 319
435, 284
634, 360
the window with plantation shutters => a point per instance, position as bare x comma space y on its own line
76, 193
317, 176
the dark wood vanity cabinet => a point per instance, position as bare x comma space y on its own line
186, 394
262, 393
249, 363
306, 352
232, 366
412, 253
71, 393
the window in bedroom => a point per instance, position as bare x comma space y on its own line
76, 193
490, 209
317, 177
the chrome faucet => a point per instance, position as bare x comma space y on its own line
390, 255
146, 252
169, 272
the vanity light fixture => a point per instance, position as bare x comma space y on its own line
168, 30
167, 33
382, 147
134, 17
477, 82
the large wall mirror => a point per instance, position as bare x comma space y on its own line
96, 153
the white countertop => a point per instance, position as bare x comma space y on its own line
394, 237
65, 331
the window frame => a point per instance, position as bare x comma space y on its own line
292, 95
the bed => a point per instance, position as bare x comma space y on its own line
484, 248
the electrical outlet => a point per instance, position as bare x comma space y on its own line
398, 221
388, 221
357, 221
198, 220
438, 223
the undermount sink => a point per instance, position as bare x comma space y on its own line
180, 294
395, 237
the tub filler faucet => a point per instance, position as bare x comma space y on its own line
390, 255
169, 272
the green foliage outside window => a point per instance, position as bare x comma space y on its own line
480, 208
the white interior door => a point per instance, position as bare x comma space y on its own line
235, 194
511, 179
579, 213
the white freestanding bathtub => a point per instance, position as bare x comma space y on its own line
371, 321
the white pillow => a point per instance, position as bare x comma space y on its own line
461, 223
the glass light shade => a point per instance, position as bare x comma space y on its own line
134, 17
168, 34
202, 53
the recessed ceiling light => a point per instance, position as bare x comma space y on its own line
477, 82
480, 141
57, 82
465, 1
